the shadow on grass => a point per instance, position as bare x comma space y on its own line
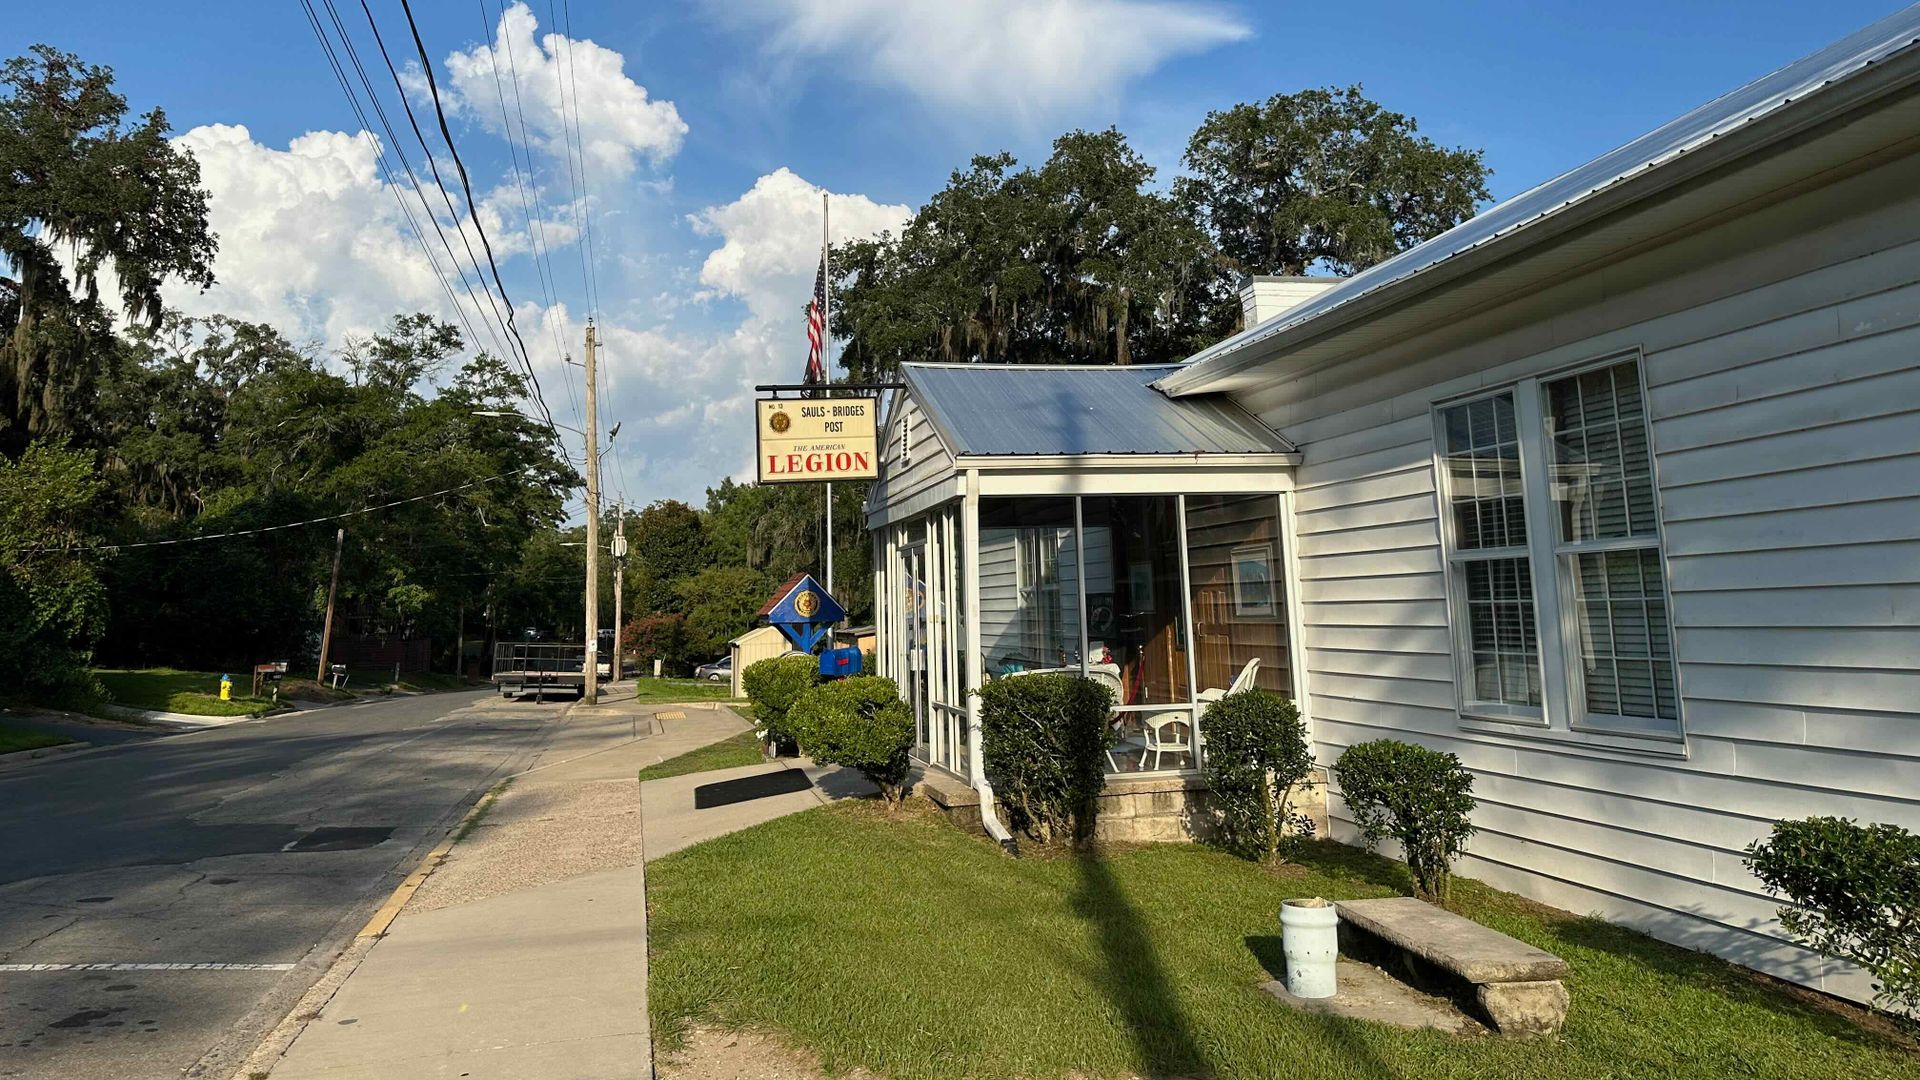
1135, 979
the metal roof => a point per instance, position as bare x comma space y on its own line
1763, 97
1033, 409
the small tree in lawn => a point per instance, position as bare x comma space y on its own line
1854, 893
1256, 759
860, 723
1419, 797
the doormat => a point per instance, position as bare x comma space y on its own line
765, 785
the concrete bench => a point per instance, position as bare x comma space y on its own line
1517, 985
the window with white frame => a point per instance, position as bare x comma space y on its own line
1587, 565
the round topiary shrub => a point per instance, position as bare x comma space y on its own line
1419, 797
1043, 743
861, 723
773, 685
1854, 893
1256, 759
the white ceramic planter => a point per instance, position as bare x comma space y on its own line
1309, 935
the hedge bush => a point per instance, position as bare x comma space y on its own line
773, 685
1420, 797
1256, 758
861, 723
1043, 742
1854, 895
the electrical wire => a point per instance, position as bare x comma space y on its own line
393, 186
317, 520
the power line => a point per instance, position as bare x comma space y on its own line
580, 147
366, 131
575, 184
433, 166
317, 520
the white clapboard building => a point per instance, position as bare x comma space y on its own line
1613, 491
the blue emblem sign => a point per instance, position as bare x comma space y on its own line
806, 614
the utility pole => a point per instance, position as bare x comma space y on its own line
333, 586
619, 582
592, 691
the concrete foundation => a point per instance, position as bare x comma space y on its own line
1133, 809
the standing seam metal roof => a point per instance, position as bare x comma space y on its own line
1762, 97
1032, 409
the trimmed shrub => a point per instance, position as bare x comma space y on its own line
1417, 796
861, 723
1854, 895
1256, 758
1043, 742
773, 685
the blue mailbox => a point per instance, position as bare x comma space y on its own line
840, 663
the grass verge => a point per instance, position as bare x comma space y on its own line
195, 693
731, 753
910, 948
659, 690
481, 809
17, 738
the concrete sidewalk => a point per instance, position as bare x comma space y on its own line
523, 953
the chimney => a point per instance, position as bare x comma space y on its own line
1261, 298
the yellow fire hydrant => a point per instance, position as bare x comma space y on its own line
226, 688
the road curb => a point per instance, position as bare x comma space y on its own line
397, 900
17, 758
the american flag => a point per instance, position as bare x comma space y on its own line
817, 326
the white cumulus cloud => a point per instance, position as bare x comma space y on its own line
1023, 58
310, 239
770, 239
612, 116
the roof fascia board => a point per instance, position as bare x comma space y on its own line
1105, 462
1209, 368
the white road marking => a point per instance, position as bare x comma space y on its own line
146, 967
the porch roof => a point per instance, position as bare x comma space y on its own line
994, 410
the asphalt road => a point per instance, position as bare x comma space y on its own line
253, 852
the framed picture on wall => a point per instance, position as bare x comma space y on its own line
1140, 586
1254, 588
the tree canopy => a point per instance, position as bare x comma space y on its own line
1082, 260
81, 190
1323, 178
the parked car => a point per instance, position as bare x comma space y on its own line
719, 671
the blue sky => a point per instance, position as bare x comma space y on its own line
715, 122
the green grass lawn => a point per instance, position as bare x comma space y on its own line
741, 749
14, 738
916, 950
196, 693
659, 690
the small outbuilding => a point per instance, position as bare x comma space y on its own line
757, 644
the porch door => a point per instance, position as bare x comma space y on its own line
913, 558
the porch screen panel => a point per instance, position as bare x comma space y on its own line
1134, 599
1239, 599
1029, 586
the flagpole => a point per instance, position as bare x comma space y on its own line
826, 361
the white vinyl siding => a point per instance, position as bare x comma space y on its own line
1780, 360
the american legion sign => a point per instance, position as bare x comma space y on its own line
817, 439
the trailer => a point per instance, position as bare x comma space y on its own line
520, 667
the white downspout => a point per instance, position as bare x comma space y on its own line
976, 664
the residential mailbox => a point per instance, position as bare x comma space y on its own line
839, 663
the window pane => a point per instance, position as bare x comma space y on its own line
1029, 585
1482, 459
1626, 654
1501, 634
1134, 596
1239, 604
1602, 465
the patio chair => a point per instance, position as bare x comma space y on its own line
1172, 732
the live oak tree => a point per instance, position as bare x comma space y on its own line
1324, 178
82, 190
1076, 261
